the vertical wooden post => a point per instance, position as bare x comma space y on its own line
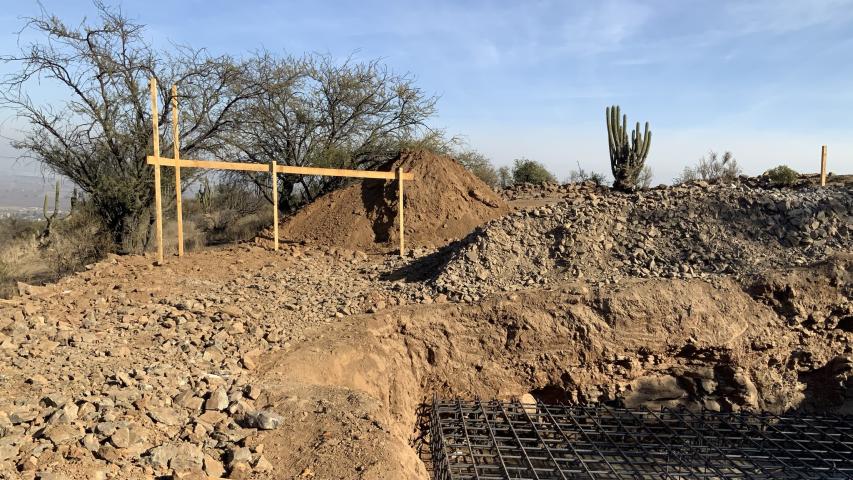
400, 209
274, 205
823, 166
158, 201
176, 153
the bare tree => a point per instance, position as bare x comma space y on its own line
712, 168
314, 111
100, 136
644, 179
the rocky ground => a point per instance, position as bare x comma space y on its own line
147, 369
316, 362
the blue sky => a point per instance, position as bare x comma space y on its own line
769, 80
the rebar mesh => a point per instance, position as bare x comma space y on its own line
508, 440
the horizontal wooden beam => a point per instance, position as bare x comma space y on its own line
338, 172
260, 167
219, 165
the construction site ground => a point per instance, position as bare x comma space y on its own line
318, 362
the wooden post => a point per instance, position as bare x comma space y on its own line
158, 201
274, 205
823, 166
400, 209
176, 153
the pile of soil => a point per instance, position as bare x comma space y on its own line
445, 202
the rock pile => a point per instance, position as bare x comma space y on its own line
674, 232
136, 371
526, 190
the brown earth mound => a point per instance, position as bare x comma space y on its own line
445, 202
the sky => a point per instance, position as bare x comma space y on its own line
769, 80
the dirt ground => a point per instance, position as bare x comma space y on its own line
319, 362
346, 358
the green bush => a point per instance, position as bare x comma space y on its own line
782, 175
525, 170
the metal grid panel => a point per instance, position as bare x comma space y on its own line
507, 440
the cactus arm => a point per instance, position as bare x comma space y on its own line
611, 141
56, 200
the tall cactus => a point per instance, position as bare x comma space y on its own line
626, 161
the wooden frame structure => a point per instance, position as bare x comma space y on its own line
273, 168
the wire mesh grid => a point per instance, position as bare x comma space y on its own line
490, 440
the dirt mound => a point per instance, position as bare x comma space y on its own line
445, 202
677, 232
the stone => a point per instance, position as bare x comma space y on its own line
90, 442
166, 416
250, 359
105, 428
263, 465
213, 467
63, 434
252, 391
187, 457
262, 420
240, 470
240, 454
23, 416
55, 400
121, 438
654, 390
217, 400
528, 402
159, 457
211, 417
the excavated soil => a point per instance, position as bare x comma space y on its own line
445, 202
316, 363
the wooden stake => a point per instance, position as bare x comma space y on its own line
823, 166
400, 209
176, 153
274, 205
158, 201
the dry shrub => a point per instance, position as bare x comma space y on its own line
77, 241
8, 284
20, 260
229, 226
194, 238
17, 228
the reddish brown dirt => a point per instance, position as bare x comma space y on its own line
445, 202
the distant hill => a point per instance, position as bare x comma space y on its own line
25, 191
